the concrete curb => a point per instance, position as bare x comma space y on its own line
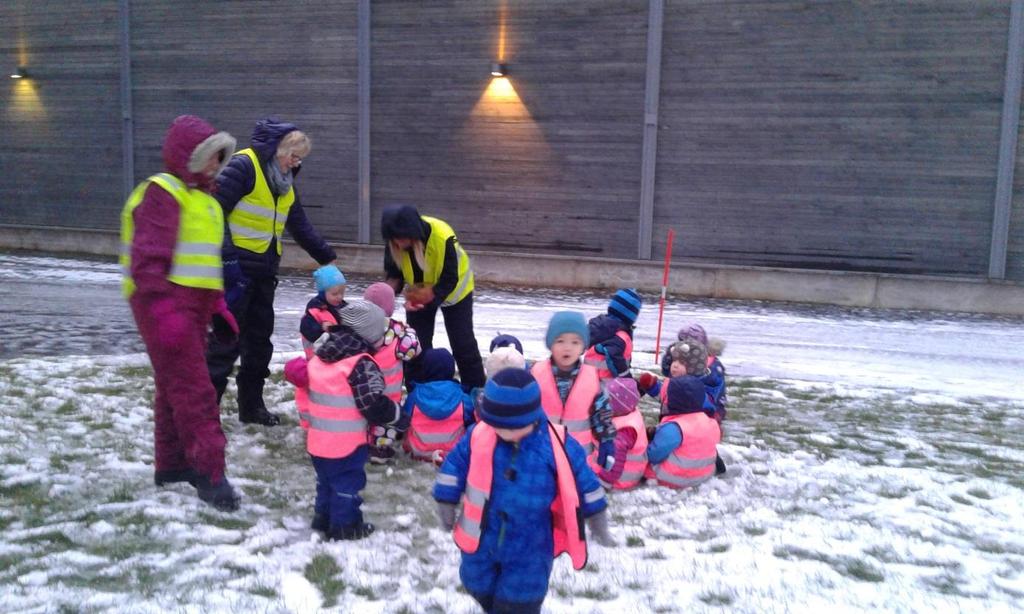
727, 282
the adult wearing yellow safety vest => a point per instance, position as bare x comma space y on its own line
171, 232
424, 254
259, 199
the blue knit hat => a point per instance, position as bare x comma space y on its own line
436, 365
327, 277
511, 400
567, 322
685, 395
504, 341
625, 305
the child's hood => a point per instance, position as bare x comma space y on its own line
603, 327
438, 399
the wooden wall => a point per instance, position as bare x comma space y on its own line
839, 134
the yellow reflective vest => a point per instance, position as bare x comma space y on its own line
259, 216
434, 255
196, 261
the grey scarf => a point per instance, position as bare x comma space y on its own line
279, 182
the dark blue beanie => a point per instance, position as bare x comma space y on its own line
685, 394
511, 400
567, 322
504, 341
625, 305
436, 365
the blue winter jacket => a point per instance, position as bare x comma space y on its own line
518, 515
437, 400
308, 326
238, 179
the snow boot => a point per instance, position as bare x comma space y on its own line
222, 495
251, 409
358, 530
719, 465
382, 455
320, 523
163, 477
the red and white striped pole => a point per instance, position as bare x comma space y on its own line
664, 293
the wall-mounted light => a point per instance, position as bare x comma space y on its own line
20, 73
498, 69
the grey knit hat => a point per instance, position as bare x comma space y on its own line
693, 354
366, 320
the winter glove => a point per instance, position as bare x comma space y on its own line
646, 381
606, 454
295, 371
235, 282
598, 526
408, 346
225, 327
446, 515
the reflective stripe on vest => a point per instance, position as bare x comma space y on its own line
566, 520
575, 412
336, 428
321, 315
693, 461
196, 261
597, 360
387, 359
636, 457
259, 217
433, 253
427, 435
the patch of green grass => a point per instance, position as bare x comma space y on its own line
717, 548
66, 408
365, 591
122, 493
716, 599
52, 540
755, 530
223, 521
850, 566
324, 573
655, 555
961, 499
979, 493
263, 590
600, 592
634, 542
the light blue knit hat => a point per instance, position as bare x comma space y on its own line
327, 277
567, 322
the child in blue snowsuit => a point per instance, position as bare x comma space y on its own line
511, 567
436, 396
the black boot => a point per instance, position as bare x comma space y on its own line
320, 523
173, 476
358, 530
719, 465
221, 495
251, 409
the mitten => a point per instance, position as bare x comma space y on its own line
606, 454
296, 373
408, 346
446, 515
235, 282
225, 327
383, 436
645, 381
598, 526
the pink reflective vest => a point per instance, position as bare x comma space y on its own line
426, 435
336, 428
320, 315
387, 359
565, 509
575, 413
597, 360
636, 457
693, 461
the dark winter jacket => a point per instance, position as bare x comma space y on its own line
239, 178
437, 400
309, 327
366, 379
714, 381
404, 222
603, 329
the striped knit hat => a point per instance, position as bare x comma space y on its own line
625, 305
511, 400
366, 320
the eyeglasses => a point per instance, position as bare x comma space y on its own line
296, 159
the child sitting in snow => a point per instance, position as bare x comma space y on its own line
322, 310
683, 450
338, 393
610, 348
714, 377
571, 390
688, 357
439, 410
630, 457
399, 346
527, 487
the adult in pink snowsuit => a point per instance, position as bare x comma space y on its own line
173, 320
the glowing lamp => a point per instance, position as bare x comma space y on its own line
498, 69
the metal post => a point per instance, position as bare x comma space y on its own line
363, 42
127, 120
1007, 143
652, 87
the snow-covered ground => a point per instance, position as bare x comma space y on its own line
875, 463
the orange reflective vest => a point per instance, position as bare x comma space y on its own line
566, 514
575, 412
597, 360
636, 458
321, 315
426, 435
336, 428
693, 461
